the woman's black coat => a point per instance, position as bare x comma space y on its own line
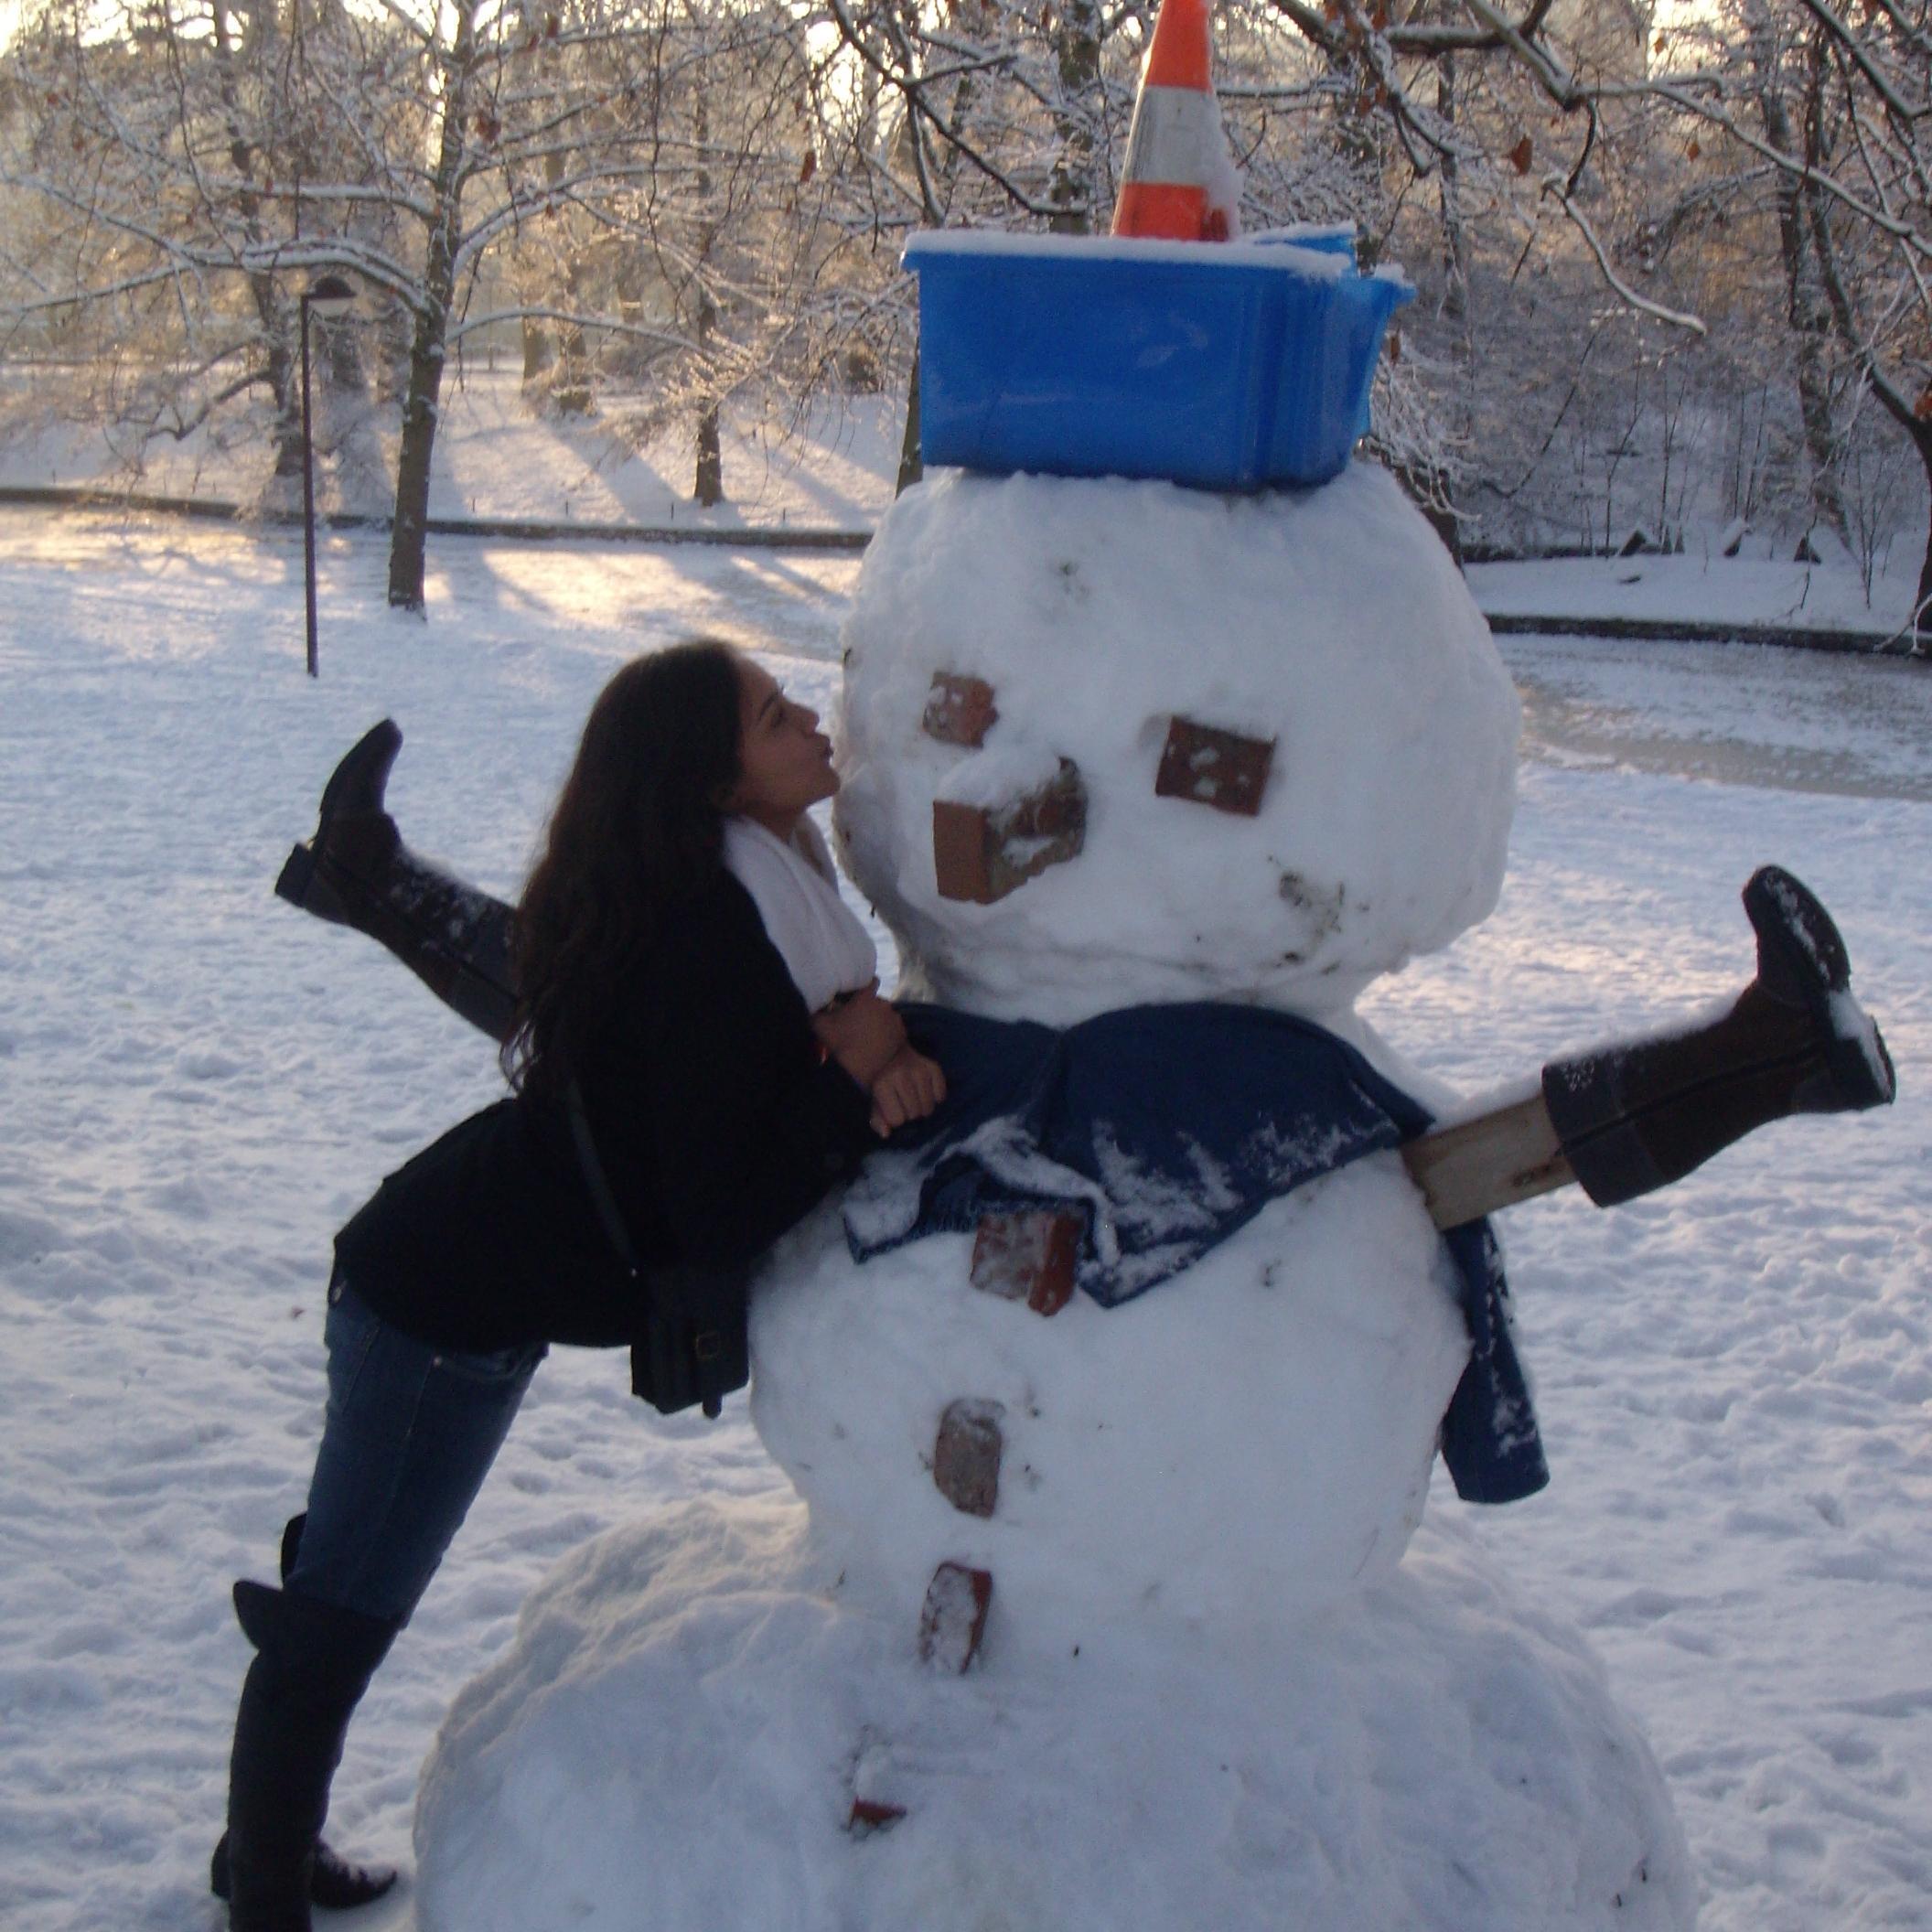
717, 1122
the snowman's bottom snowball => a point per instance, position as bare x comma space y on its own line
672, 1745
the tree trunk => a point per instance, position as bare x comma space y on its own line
566, 356
421, 401
538, 354
342, 361
630, 360
285, 385
280, 370
1805, 307
1921, 625
570, 388
866, 135
912, 465
1455, 253
707, 488
390, 337
708, 485
1076, 47
1430, 484
409, 533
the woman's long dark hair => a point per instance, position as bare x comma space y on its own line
638, 825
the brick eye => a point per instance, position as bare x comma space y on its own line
960, 709
1215, 767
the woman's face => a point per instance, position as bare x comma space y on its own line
784, 759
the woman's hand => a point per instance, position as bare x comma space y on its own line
908, 1090
863, 1033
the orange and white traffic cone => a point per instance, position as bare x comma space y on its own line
1177, 182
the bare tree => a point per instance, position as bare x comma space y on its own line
1833, 106
196, 176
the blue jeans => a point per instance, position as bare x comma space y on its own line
410, 1433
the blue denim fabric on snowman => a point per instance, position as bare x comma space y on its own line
1223, 1108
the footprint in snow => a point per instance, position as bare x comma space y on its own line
202, 1065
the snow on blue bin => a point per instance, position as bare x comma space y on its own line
1228, 366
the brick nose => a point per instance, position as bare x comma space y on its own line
981, 852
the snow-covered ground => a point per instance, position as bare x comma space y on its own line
197, 1085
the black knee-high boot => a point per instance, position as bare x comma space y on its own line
357, 872
1633, 1118
334, 1882
312, 1661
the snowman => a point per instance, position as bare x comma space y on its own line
1109, 1407
1098, 1594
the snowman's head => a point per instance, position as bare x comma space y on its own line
1108, 742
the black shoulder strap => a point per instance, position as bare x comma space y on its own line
597, 1181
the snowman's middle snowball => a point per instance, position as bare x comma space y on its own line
1246, 1442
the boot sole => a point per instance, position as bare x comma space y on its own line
1802, 959
1858, 1082
1797, 942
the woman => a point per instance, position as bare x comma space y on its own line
677, 1106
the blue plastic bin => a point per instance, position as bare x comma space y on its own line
1231, 366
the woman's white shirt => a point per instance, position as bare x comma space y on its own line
825, 948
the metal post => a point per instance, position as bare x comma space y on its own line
332, 298
308, 496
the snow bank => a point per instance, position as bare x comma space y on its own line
677, 1736
1331, 621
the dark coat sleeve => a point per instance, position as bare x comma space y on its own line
738, 1124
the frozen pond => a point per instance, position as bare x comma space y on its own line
1732, 713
